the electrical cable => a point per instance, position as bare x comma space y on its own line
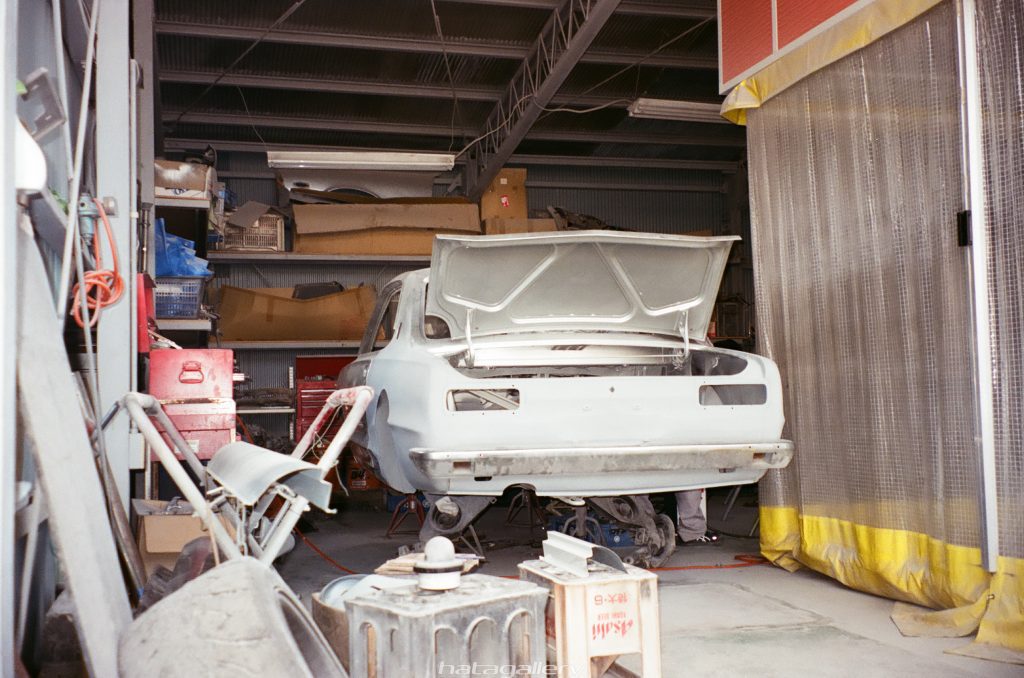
745, 560
316, 549
590, 89
251, 123
456, 112
103, 287
563, 109
647, 56
281, 19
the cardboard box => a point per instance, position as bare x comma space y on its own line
161, 536
270, 314
505, 198
183, 181
395, 229
499, 226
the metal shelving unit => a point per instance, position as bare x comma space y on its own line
184, 324
190, 203
230, 257
288, 345
265, 410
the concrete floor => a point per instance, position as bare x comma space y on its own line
748, 621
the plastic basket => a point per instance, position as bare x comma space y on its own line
266, 235
179, 297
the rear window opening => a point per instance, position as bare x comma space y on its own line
733, 394
483, 400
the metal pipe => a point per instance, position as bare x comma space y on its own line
76, 176
118, 515
341, 398
179, 441
360, 398
136, 404
280, 536
974, 109
28, 564
62, 80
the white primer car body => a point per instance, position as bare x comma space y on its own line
577, 366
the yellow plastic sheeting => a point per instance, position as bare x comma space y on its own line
911, 567
860, 28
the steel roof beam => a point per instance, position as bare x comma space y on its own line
562, 42
323, 124
727, 166
692, 10
373, 87
422, 45
681, 138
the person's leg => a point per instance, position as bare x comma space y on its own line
690, 521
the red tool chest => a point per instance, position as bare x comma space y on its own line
316, 378
195, 388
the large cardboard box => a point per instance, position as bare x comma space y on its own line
389, 229
270, 314
162, 535
183, 181
505, 198
499, 226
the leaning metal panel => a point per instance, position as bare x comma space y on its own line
862, 290
1001, 55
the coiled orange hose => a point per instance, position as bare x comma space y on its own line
103, 287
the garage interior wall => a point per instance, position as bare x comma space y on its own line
649, 200
863, 296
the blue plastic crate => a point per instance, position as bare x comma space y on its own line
179, 297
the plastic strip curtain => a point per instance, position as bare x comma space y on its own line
864, 301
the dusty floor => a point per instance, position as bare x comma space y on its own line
742, 621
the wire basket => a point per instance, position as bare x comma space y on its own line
266, 235
179, 297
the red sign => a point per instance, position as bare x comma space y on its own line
753, 33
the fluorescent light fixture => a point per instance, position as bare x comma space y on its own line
670, 109
361, 160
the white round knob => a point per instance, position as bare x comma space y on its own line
439, 570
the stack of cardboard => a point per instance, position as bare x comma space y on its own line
272, 314
396, 229
183, 181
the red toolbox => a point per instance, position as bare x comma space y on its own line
195, 388
315, 379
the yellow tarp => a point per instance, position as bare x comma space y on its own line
911, 567
853, 32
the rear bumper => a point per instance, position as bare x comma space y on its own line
455, 466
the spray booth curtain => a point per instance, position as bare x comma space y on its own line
863, 296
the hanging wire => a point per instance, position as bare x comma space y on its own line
281, 19
456, 112
252, 124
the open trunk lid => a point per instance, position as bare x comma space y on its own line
576, 280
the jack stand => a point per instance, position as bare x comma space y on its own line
410, 505
525, 500
475, 546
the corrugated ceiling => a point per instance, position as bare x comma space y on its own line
370, 74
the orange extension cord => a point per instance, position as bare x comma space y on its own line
103, 287
745, 560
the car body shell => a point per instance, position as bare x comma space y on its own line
565, 436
